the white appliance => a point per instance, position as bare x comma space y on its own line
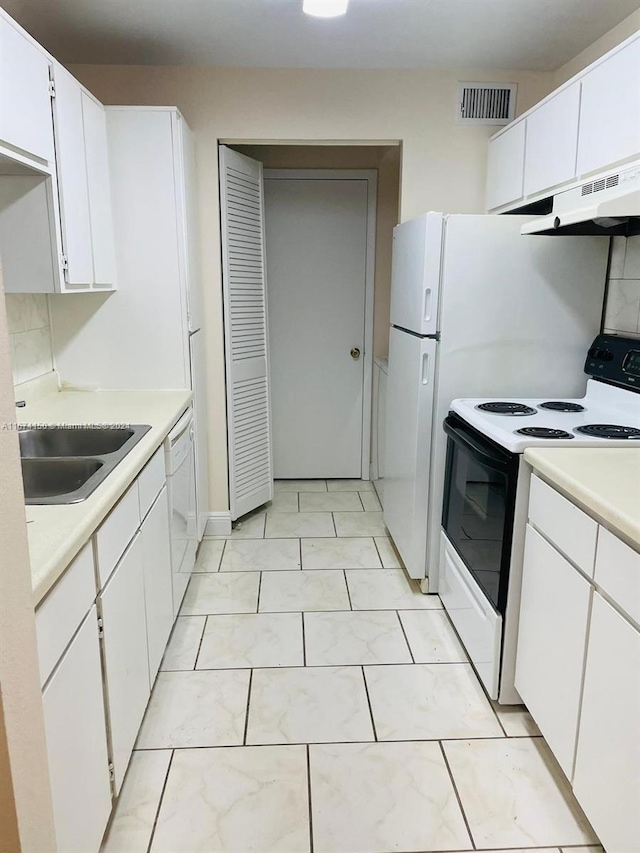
608, 203
181, 490
487, 488
148, 333
475, 309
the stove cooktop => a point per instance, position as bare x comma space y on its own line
605, 416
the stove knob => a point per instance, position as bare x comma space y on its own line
601, 354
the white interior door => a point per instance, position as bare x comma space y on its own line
317, 260
245, 318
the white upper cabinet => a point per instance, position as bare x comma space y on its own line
83, 180
95, 140
25, 117
505, 169
588, 125
610, 111
552, 141
72, 179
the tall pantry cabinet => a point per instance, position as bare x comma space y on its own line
156, 310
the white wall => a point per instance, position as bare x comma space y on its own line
443, 164
29, 335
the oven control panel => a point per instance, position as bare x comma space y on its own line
615, 359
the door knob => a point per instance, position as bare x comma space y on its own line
355, 353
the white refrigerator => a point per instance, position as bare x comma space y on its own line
477, 310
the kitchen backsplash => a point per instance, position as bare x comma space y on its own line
622, 314
30, 335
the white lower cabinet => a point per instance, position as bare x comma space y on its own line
607, 774
158, 585
96, 690
554, 614
122, 607
77, 743
578, 659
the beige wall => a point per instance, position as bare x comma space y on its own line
607, 42
443, 164
386, 161
22, 725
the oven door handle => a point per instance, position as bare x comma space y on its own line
474, 449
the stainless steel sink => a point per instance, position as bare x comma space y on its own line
64, 465
67, 441
59, 480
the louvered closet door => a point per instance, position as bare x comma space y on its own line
246, 343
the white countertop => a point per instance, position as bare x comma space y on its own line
57, 533
604, 481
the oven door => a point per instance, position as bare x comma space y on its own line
478, 510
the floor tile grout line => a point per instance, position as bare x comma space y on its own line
162, 793
406, 639
224, 548
304, 641
346, 583
366, 690
257, 610
246, 719
455, 791
204, 629
333, 740
309, 796
327, 665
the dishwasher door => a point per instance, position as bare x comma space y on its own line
180, 465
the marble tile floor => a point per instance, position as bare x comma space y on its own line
312, 700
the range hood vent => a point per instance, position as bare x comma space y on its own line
608, 204
486, 103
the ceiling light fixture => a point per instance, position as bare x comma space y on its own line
325, 8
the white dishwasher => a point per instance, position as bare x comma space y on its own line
181, 488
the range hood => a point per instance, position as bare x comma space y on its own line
608, 204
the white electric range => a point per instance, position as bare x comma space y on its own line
487, 488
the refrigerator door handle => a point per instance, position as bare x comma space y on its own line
427, 304
425, 368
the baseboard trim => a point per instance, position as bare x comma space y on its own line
218, 524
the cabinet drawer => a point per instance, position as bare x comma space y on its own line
60, 614
116, 533
572, 531
552, 639
151, 480
618, 572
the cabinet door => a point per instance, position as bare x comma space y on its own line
25, 118
77, 743
95, 138
158, 589
552, 142
125, 654
607, 777
610, 111
72, 179
554, 610
505, 168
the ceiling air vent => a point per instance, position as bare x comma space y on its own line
486, 103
